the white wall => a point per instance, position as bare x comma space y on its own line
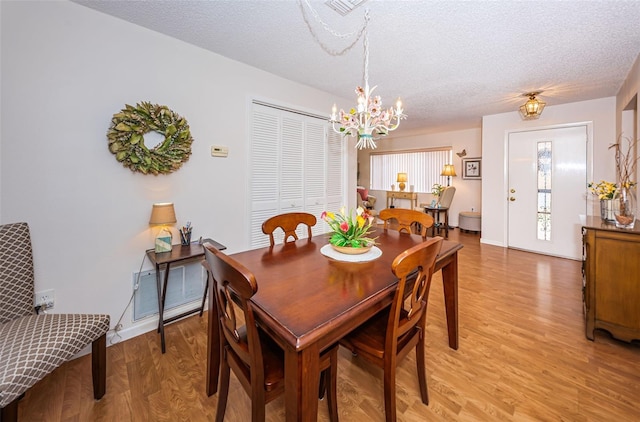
66, 69
599, 114
468, 192
628, 105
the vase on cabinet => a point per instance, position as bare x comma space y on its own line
624, 207
606, 210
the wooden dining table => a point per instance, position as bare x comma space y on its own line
306, 302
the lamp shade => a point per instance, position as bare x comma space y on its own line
163, 213
402, 178
448, 170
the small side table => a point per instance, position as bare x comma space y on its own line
178, 253
411, 196
437, 225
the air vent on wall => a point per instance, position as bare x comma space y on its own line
344, 6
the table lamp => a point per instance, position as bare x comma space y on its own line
402, 179
448, 171
161, 215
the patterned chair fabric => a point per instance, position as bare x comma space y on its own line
31, 345
16, 272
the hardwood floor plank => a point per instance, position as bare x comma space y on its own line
523, 356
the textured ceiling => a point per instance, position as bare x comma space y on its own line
450, 61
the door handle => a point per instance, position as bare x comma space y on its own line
512, 199
512, 190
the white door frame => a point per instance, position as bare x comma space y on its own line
505, 166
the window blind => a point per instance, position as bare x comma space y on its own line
423, 168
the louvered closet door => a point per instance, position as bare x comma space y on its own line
315, 175
291, 164
264, 191
294, 159
336, 175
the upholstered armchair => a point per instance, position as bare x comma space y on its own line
364, 199
32, 345
446, 197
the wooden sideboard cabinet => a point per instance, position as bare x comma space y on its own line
611, 284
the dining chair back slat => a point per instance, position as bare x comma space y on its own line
288, 222
405, 218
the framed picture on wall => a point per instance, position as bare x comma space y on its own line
472, 168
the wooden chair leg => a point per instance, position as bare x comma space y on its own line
390, 392
332, 386
258, 403
323, 384
204, 297
99, 366
9, 413
223, 391
422, 377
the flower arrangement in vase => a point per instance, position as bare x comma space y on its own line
436, 190
350, 230
605, 192
624, 200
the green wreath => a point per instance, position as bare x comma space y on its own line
126, 138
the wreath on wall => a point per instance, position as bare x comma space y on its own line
126, 138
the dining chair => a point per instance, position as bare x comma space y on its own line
255, 358
386, 338
405, 218
34, 344
288, 222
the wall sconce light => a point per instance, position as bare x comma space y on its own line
161, 215
402, 179
532, 109
448, 170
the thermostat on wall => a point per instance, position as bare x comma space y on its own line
219, 151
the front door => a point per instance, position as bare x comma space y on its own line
547, 180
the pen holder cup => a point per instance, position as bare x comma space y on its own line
185, 238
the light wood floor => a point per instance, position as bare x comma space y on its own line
523, 356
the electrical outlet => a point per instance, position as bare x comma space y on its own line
45, 298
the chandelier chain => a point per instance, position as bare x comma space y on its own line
366, 50
368, 119
358, 33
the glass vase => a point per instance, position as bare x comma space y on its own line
624, 207
606, 210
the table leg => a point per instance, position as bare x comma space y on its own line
213, 342
446, 224
302, 377
450, 287
161, 300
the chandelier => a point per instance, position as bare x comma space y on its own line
532, 109
367, 120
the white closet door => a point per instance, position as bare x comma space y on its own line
264, 181
315, 174
297, 164
336, 164
291, 164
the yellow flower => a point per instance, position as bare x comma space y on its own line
603, 189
